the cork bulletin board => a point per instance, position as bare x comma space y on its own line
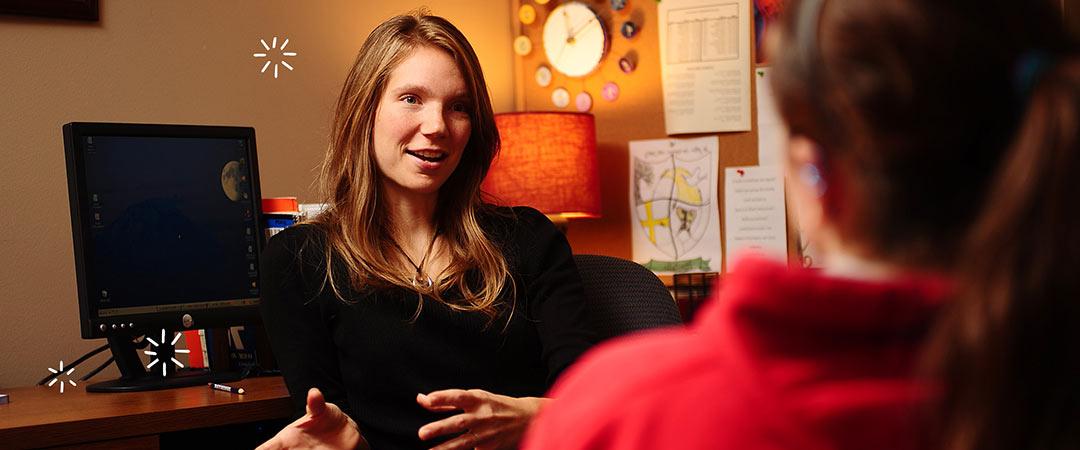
636, 114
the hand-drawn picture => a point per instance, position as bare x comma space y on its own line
673, 199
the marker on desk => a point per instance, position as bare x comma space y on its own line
3, 399
222, 387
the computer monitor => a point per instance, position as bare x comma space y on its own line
165, 224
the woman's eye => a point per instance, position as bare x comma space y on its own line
459, 107
411, 99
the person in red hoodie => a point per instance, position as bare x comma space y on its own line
932, 158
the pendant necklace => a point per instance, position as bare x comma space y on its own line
421, 282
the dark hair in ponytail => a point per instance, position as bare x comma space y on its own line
1008, 348
919, 107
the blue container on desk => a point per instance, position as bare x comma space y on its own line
279, 213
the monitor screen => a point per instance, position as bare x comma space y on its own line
166, 225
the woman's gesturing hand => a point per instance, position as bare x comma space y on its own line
487, 421
324, 426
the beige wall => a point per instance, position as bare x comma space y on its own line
169, 62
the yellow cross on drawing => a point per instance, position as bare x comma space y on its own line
651, 223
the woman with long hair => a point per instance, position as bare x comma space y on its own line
932, 156
410, 313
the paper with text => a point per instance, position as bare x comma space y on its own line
705, 65
754, 214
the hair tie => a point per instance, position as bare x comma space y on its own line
1030, 67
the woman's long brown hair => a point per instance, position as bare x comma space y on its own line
955, 126
1009, 348
356, 226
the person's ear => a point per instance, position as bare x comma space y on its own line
806, 185
805, 165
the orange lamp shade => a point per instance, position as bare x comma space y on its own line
547, 161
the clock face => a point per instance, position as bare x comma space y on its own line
574, 39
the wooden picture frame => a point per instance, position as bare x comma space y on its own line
61, 9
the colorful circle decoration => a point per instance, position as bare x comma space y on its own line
610, 91
527, 14
522, 45
583, 101
618, 5
543, 76
629, 29
627, 64
560, 97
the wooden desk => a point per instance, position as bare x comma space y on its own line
41, 416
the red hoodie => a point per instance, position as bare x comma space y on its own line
778, 359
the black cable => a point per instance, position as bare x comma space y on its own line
72, 365
99, 369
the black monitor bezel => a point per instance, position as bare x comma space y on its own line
74, 151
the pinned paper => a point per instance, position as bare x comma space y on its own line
754, 215
772, 132
674, 215
705, 56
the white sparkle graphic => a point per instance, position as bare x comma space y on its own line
61, 373
270, 51
164, 367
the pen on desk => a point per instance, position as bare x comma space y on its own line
222, 387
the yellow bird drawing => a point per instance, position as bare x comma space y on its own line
685, 191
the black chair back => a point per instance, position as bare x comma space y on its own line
623, 297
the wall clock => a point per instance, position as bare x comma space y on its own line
575, 39
576, 36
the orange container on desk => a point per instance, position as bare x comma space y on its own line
279, 213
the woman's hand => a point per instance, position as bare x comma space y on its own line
324, 426
487, 421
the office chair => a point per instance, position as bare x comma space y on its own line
623, 297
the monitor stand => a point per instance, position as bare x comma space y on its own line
134, 377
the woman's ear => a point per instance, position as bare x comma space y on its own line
806, 185
805, 165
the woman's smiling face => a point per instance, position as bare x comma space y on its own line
422, 123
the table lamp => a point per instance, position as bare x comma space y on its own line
547, 161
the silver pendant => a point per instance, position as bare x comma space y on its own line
422, 281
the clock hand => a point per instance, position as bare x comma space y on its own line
566, 20
583, 27
558, 57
